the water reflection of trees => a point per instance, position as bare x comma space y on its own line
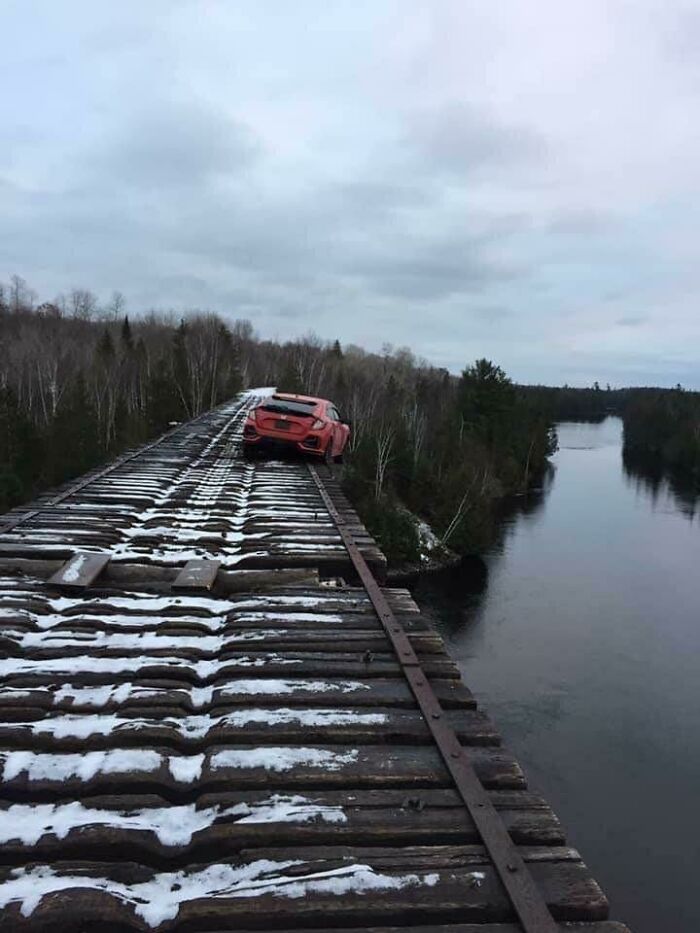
513, 509
453, 597
649, 476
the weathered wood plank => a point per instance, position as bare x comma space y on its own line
197, 575
17, 622
64, 775
93, 669
221, 824
38, 568
292, 599
606, 926
80, 571
141, 693
253, 581
321, 890
187, 734
227, 581
60, 644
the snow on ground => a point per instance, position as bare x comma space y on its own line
282, 758
73, 568
192, 727
429, 541
172, 826
114, 620
101, 665
100, 696
135, 602
186, 768
139, 641
252, 394
41, 766
159, 899
47, 613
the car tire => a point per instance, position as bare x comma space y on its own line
328, 453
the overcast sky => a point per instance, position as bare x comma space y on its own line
516, 180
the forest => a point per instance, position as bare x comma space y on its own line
81, 382
661, 426
662, 429
567, 403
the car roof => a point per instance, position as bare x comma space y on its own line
290, 397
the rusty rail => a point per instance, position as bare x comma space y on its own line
527, 900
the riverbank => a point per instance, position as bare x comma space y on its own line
433, 556
410, 573
413, 549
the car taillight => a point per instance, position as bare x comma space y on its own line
317, 425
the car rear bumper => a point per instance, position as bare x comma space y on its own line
280, 445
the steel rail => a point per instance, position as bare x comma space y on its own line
527, 899
114, 465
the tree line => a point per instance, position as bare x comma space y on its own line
80, 382
568, 403
662, 429
661, 426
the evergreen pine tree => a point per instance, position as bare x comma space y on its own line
127, 339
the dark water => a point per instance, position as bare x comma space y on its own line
583, 643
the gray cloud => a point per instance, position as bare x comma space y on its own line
459, 138
436, 179
175, 145
583, 222
631, 320
431, 270
493, 313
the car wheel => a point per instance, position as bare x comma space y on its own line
338, 458
328, 453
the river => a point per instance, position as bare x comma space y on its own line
582, 642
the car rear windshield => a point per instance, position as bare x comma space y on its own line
289, 407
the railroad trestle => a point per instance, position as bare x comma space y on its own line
215, 715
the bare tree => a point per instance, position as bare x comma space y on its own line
360, 408
115, 307
21, 296
417, 426
471, 495
83, 303
385, 444
52, 368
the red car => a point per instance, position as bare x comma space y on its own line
284, 421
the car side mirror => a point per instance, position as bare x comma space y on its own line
347, 423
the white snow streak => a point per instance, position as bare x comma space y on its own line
283, 758
41, 767
192, 727
173, 826
102, 665
75, 565
159, 899
186, 769
100, 696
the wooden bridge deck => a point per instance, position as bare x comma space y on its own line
248, 756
